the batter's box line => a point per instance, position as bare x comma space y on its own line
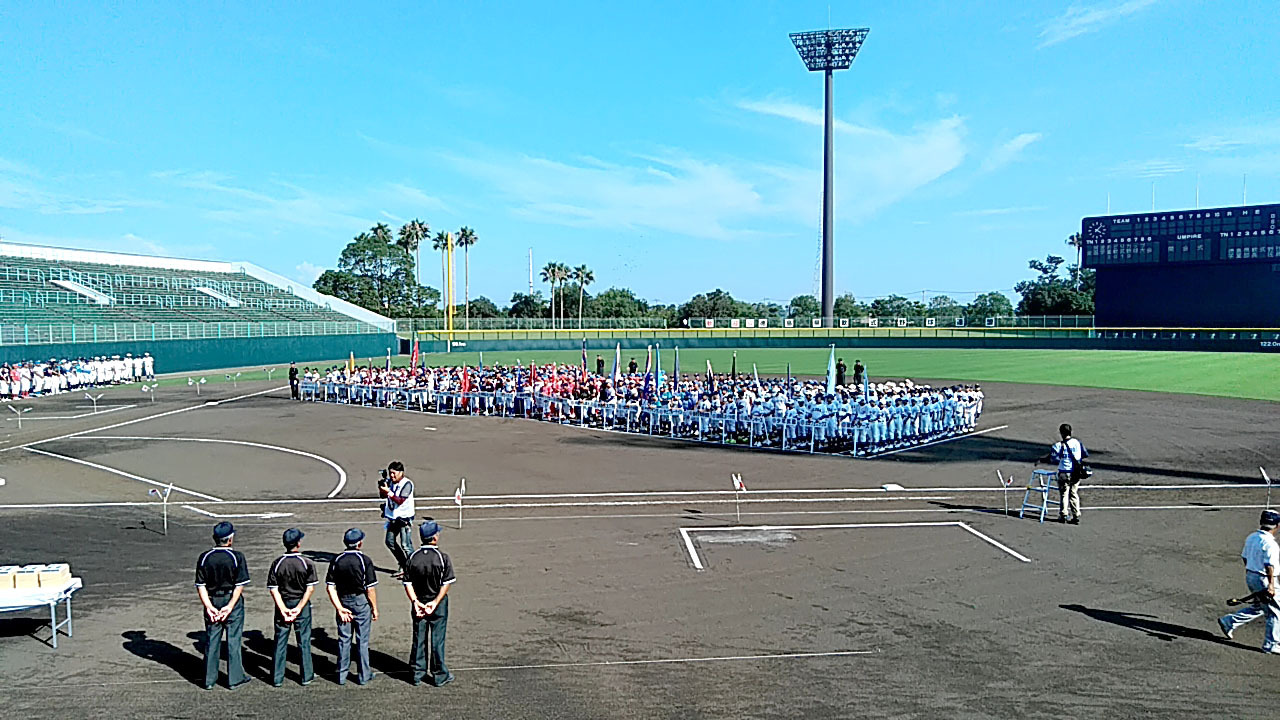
687, 534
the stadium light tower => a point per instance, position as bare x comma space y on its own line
828, 50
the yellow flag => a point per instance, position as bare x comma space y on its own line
351, 363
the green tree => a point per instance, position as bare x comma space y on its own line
584, 277
527, 305
483, 307
617, 303
804, 306
714, 304
991, 304
551, 276
896, 306
943, 306
466, 238
387, 266
1076, 242
411, 236
846, 306
1050, 293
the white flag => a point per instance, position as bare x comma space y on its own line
738, 484
457, 497
154, 491
463, 487
1265, 476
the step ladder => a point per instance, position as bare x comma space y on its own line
1038, 496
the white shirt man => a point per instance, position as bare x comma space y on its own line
397, 510
1261, 556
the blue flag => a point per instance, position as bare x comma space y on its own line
584, 358
675, 383
648, 365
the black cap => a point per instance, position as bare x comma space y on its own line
1269, 519
223, 530
292, 537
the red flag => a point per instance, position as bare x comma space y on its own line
533, 375
466, 387
413, 359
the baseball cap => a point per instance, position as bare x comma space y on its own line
429, 529
292, 537
223, 530
1269, 519
353, 536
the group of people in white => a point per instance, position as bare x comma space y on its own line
788, 413
35, 378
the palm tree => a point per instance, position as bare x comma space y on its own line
412, 234
441, 242
1076, 240
466, 238
584, 277
550, 275
562, 275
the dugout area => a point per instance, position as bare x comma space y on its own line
577, 595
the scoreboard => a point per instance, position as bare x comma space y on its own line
1231, 235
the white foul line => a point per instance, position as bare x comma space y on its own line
259, 516
937, 442
104, 411
671, 661
141, 419
122, 473
687, 533
342, 474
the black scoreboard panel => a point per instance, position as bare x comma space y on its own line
1249, 233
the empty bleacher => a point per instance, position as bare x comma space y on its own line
165, 297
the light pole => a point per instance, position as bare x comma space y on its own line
828, 50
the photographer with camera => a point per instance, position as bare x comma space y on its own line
1069, 455
396, 491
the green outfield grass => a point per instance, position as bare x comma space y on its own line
1242, 375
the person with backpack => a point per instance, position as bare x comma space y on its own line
1069, 454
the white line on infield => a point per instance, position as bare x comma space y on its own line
937, 442
342, 474
687, 534
682, 501
141, 419
102, 411
122, 473
259, 516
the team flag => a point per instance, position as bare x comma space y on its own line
675, 383
584, 359
388, 368
831, 372
657, 368
648, 365
756, 373
351, 363
466, 386
413, 358
788, 378
711, 378
733, 369
481, 359
617, 360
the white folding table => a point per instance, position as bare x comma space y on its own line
25, 599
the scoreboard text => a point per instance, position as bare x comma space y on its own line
1250, 233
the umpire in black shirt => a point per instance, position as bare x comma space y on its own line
351, 580
221, 574
291, 581
427, 577
293, 381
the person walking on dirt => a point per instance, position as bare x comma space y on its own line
1261, 556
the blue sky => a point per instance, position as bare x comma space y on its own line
673, 147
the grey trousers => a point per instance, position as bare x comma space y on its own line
359, 627
233, 628
426, 655
302, 628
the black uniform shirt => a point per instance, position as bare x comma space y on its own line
291, 574
351, 573
293, 374
221, 570
427, 571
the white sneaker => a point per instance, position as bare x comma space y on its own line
1226, 631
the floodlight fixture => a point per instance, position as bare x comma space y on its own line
829, 49
826, 51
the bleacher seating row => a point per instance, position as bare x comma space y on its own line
29, 294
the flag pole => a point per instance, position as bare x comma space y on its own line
1267, 478
1005, 487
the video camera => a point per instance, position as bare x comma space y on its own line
384, 479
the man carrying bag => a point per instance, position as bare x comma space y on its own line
1069, 454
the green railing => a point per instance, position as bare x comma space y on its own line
18, 333
411, 325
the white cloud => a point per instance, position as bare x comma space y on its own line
1148, 169
1080, 20
307, 273
1255, 134
1009, 151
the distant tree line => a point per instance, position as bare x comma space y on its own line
379, 270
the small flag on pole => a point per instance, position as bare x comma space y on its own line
739, 488
457, 499
738, 484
